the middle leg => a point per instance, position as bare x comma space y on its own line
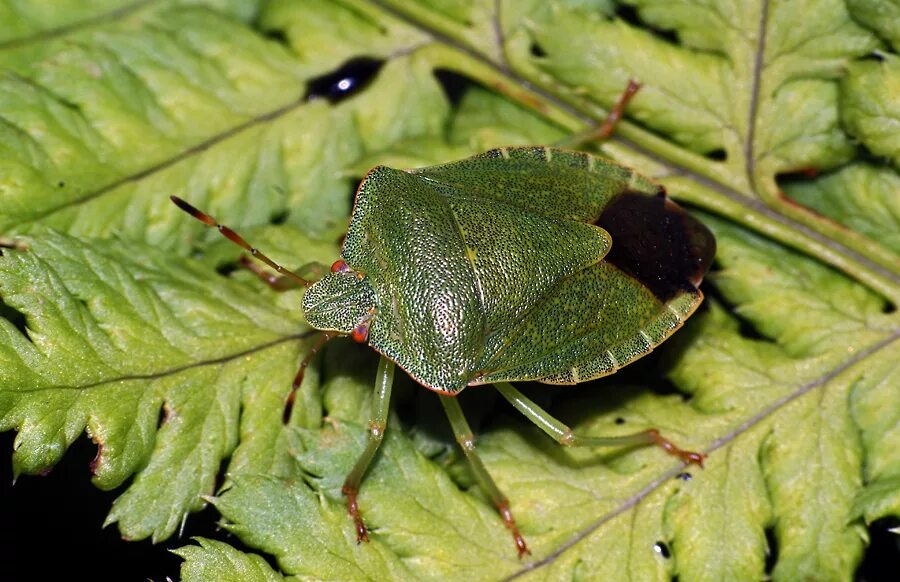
466, 440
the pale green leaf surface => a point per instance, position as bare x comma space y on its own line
870, 107
883, 16
114, 335
292, 523
863, 197
23, 20
214, 560
791, 371
802, 305
200, 106
701, 98
813, 437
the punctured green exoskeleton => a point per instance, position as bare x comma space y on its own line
526, 263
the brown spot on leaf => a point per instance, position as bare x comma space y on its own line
95, 462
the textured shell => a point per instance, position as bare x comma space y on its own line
499, 267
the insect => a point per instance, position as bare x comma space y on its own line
521, 263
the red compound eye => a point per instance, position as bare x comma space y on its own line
339, 266
360, 333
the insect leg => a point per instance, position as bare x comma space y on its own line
301, 372
605, 129
377, 424
237, 239
564, 435
466, 440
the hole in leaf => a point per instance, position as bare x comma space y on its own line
537, 50
453, 84
345, 81
630, 15
226, 269
279, 217
15, 317
163, 418
619, 420
874, 56
888, 307
771, 551
718, 155
684, 476
277, 35
662, 549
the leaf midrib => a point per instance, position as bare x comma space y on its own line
181, 156
178, 369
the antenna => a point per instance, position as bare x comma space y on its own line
237, 239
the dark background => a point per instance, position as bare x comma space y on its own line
51, 526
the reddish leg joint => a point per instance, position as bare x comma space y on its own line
510, 523
353, 509
668, 446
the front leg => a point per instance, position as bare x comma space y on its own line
377, 424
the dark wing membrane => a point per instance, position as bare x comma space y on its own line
590, 325
551, 182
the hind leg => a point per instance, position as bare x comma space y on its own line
564, 435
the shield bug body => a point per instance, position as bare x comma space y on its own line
526, 263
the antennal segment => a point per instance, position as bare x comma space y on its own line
237, 239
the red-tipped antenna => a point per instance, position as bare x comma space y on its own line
236, 238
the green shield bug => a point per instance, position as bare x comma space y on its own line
521, 263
